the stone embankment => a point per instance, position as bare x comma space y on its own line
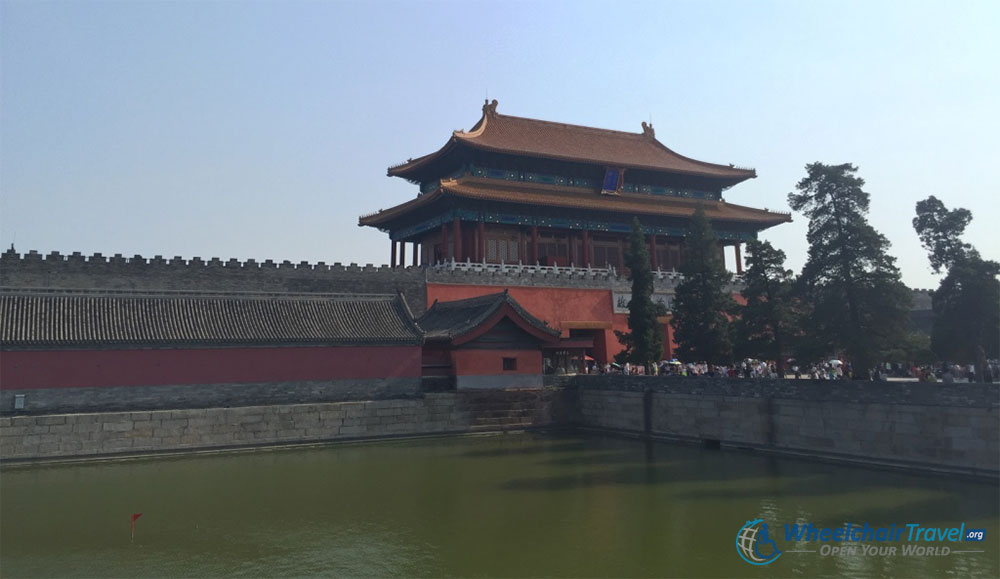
924, 426
129, 433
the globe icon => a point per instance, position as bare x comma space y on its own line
747, 543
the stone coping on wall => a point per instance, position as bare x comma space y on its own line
32, 258
193, 396
135, 433
861, 392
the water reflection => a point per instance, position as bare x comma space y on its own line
512, 506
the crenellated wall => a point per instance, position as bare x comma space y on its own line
98, 271
76, 271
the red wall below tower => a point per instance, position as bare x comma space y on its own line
555, 306
475, 362
98, 368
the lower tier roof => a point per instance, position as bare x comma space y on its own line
544, 195
73, 319
451, 320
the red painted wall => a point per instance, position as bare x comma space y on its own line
97, 368
554, 305
436, 360
475, 362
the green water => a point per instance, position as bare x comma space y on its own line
498, 506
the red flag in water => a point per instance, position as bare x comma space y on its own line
134, 517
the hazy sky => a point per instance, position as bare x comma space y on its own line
264, 129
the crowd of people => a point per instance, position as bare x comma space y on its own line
826, 370
747, 369
951, 373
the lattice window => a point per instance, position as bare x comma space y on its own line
512, 250
505, 250
605, 255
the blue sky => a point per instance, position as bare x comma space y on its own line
264, 129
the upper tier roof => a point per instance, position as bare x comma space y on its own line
520, 136
57, 319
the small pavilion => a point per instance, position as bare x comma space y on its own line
488, 341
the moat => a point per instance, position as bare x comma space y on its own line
514, 505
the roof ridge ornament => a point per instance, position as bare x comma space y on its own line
647, 130
490, 108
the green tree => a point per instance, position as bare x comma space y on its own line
967, 312
858, 303
915, 347
702, 303
939, 231
767, 322
967, 303
644, 340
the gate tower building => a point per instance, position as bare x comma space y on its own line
517, 190
544, 210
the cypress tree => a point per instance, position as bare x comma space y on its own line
702, 303
767, 321
644, 340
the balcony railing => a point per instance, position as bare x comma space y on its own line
520, 268
552, 270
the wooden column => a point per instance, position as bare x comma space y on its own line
739, 260
392, 257
668, 352
481, 250
445, 253
534, 244
652, 251
416, 249
456, 232
586, 249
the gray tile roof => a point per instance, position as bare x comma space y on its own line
54, 319
447, 320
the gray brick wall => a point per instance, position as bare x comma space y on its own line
138, 432
76, 271
954, 427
